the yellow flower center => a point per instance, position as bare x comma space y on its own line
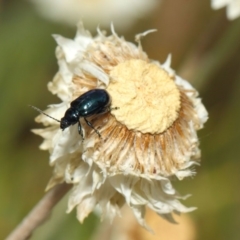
147, 97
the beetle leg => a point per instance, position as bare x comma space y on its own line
91, 126
113, 108
80, 130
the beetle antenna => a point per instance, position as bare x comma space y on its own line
39, 110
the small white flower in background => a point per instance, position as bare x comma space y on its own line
122, 13
233, 7
149, 139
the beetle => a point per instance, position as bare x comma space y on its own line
92, 102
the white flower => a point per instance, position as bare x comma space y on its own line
123, 13
233, 7
149, 139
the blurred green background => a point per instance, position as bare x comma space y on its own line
205, 47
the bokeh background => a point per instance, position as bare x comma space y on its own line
205, 49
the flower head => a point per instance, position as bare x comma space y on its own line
233, 7
149, 138
123, 13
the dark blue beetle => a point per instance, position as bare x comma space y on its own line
93, 102
96, 101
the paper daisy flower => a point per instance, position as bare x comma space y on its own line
233, 7
150, 138
123, 13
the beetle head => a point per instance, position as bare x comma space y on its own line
70, 118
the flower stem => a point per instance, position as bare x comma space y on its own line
39, 213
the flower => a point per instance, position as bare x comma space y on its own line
123, 13
126, 227
150, 138
233, 7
